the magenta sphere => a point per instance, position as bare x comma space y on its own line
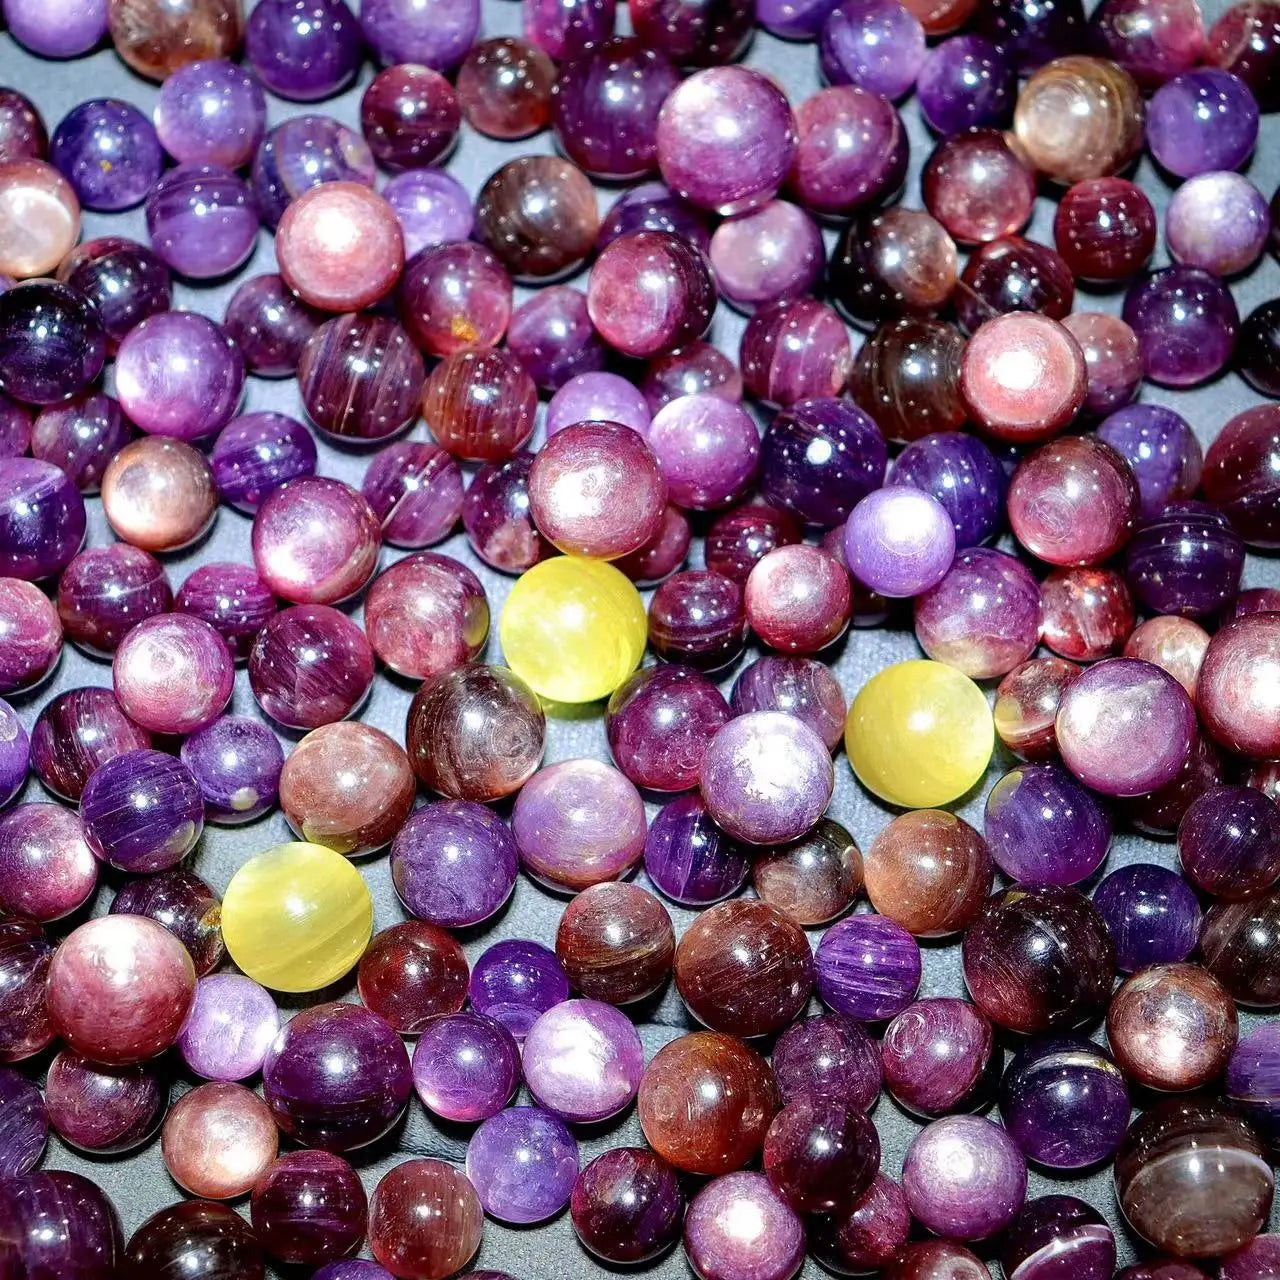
798, 599
708, 448
173, 673
47, 869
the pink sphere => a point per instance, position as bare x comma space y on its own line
1239, 686
799, 599
173, 673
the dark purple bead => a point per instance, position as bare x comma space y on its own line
1253, 1080
202, 221
1186, 322
962, 473
696, 33
865, 1235
659, 723
1162, 450
142, 812
819, 1154
495, 514
198, 1239
186, 906
415, 490
515, 982
1187, 560
698, 369
1160, 812
78, 731
237, 763
1229, 842
940, 1057
109, 152
966, 82
867, 968
1058, 1235
42, 519
104, 1110
565, 29
232, 599
52, 344
829, 1058
653, 206
1202, 121
15, 428
211, 112
304, 50
627, 1205
270, 326
310, 1206
1032, 32
60, 1226
796, 686
25, 954
15, 753
256, 453
1258, 347
689, 858
1065, 1102
698, 617
359, 1269
106, 591
1151, 914
124, 281
741, 538
410, 117
25, 1122
820, 458
337, 1077
22, 131
465, 1067
81, 437
304, 152
875, 44
553, 337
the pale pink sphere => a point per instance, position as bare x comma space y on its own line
173, 673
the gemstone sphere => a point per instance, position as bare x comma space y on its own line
514, 982
173, 673
523, 1163
940, 1056
465, 1067
229, 1029
425, 1220
1151, 913
616, 943
309, 1206
689, 858
159, 494
627, 1205
739, 1221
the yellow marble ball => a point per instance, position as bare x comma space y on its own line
297, 917
573, 629
919, 734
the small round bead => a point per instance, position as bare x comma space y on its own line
940, 1056
410, 117
553, 337
465, 1067
173, 673
25, 954
211, 112
184, 905
820, 1154
431, 207
1177, 645
455, 297
977, 188
202, 221
107, 591
39, 218
303, 153
878, 45
627, 1206
108, 150
1186, 321
868, 1232
480, 405
739, 1222
404, 31
412, 973
229, 1029
769, 254
47, 869
1238, 475
22, 131
523, 1163
104, 1110
798, 599
1088, 613
801, 687
515, 982
257, 453
270, 325
616, 943
81, 437
740, 538
814, 879
1200, 121
218, 1140
26, 1121
1229, 842
1027, 706
907, 376
795, 350
1219, 222
828, 1058
309, 1206
304, 50
867, 968
425, 1220
899, 541
689, 858
695, 32
1105, 229
966, 82
1112, 357
504, 88
1162, 451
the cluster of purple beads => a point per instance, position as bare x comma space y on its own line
1153, 705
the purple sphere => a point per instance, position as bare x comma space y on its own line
126, 282
653, 206
109, 152
256, 453
1057, 1235
232, 599
454, 863
1229, 842
738, 1225
57, 28
304, 50
231, 1025
1202, 120
211, 112
270, 325
964, 1178
899, 541
47, 869
236, 762
867, 968
1253, 1081
42, 519
304, 152
689, 858
81, 437
104, 1110
356, 1269
25, 1122
415, 490
142, 812
567, 29
875, 44
597, 397
106, 591
1065, 1103
78, 731
553, 337
1162, 450
523, 1163
178, 374
1186, 321
436, 33
627, 1205
852, 150
828, 1058
432, 208
1151, 913
796, 686
1043, 827
61, 1225
202, 221
940, 1056
1218, 221
515, 982
52, 340
465, 1067
770, 254
1187, 561
15, 754
965, 83
793, 19
961, 473
708, 448
336, 1077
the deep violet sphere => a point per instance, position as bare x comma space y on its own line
1151, 913
309, 1206
236, 762
868, 968
940, 1056
256, 453
61, 1224
42, 519
966, 82
1186, 321
1064, 1101
26, 1123
1202, 120
52, 342
183, 904
875, 44
81, 436
689, 857
232, 599
829, 1057
106, 591
465, 1067
1059, 1231
515, 982
961, 473
1162, 450
142, 811
304, 50
202, 221
108, 150
1229, 842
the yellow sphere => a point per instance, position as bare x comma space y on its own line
919, 734
573, 629
297, 917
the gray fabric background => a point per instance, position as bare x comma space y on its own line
138, 1183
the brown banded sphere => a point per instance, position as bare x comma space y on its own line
977, 187
504, 87
411, 973
158, 494
814, 879
480, 405
539, 215
1026, 710
616, 942
425, 1220
1240, 946
218, 1140
930, 872
706, 1101
1105, 229
156, 39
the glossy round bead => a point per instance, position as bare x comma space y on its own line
108, 150
819, 1154
158, 41
814, 879
257, 453
22, 130
1013, 274
705, 1103
42, 519
577, 823
1038, 959
1186, 561
977, 188
1087, 614
202, 221
768, 254
940, 1056
1186, 321
574, 629
539, 215
124, 281
405, 31
708, 449
218, 1140
802, 687
1064, 1231
1256, 354
1105, 229
523, 1163
504, 88
480, 405
340, 247
39, 219
798, 599
1202, 120
106, 591
232, 599
878, 46
411, 973
211, 112
304, 50
867, 968
1151, 914
899, 541
1079, 118
627, 1205
229, 1029
31, 632
47, 869
297, 917
867, 1232
907, 376
689, 858
173, 673
81, 437
465, 1067
1162, 451
453, 863
455, 297
964, 1177
598, 397
1209, 1192
1260, 1257
142, 811
310, 665
303, 153
410, 117
1160, 812
1250, 1081
25, 956
119, 989
26, 1121
515, 982
309, 1206
965, 82
1237, 943
694, 32
919, 734
416, 491
740, 538
740, 1221
425, 1220
1229, 842
828, 1058
653, 206
1217, 221
64, 1224
553, 337
568, 31
1112, 357
431, 207
1244, 41
616, 943
1238, 475
270, 326
455, 721
77, 732
184, 905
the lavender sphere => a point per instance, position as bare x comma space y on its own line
597, 396
709, 122
202, 221
867, 968
465, 1067
415, 490
553, 337
796, 686
431, 207
1253, 1081
940, 1056
1200, 121
653, 206
454, 863
964, 1178
42, 519
142, 812
1186, 322
1151, 913
964, 83
1162, 450
270, 325
1217, 221
236, 762
57, 28
25, 1120
708, 449
875, 44
47, 869
828, 1058
899, 541
766, 778
523, 1163
961, 473
304, 50
766, 255
738, 1225
109, 152
62, 1225
231, 1025
436, 33
690, 859
565, 31
211, 112
515, 982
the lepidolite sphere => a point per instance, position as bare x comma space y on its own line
202, 221
899, 541
1151, 913
25, 955
465, 1066
63, 1223
689, 858
75, 733
868, 968
961, 473
739, 1222
772, 252
270, 325
1229, 842
108, 150
26, 1120
81, 437
1162, 450
30, 635
979, 190
523, 1163
42, 519
515, 982
553, 337
416, 491
173, 673
814, 879
1112, 357
1186, 321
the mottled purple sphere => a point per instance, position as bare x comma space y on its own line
57, 28
211, 112
25, 1121
231, 1025
465, 1067
436, 33
15, 753
237, 763
767, 255
232, 599
689, 858
867, 968
627, 1205
940, 1056
829, 1058
432, 208
964, 83
304, 152
899, 541
1201, 121
553, 337
1162, 450
202, 221
42, 519
106, 591
875, 44
523, 1163
738, 1225
304, 50
708, 448
108, 150
81, 437
47, 869
1186, 321
597, 396
515, 982
1253, 1081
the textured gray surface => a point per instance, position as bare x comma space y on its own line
138, 1184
